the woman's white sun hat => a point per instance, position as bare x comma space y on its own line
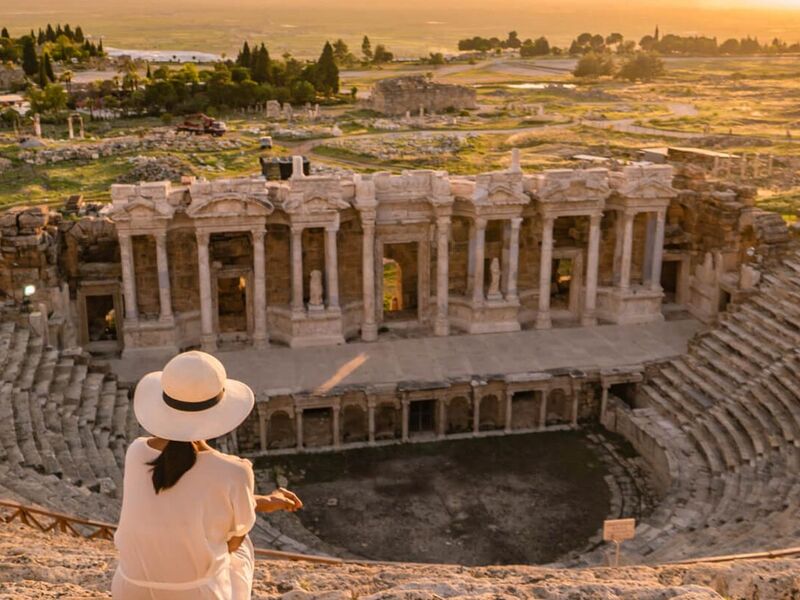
191, 399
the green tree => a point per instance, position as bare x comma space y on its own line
50, 100
244, 59
5, 34
30, 62
643, 66
326, 72
594, 65
513, 40
261, 71
79, 38
382, 55
48, 67
366, 49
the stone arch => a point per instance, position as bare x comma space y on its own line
387, 422
559, 408
459, 419
526, 410
354, 424
280, 431
490, 414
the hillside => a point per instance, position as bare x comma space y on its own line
36, 565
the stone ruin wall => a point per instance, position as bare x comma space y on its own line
396, 97
42, 247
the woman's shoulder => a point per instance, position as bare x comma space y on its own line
228, 461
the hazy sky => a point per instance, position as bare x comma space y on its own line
410, 27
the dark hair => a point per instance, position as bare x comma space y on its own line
175, 459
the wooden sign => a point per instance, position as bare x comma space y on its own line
619, 530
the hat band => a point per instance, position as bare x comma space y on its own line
191, 406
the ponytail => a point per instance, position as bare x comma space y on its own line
172, 463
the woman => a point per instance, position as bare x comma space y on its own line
187, 508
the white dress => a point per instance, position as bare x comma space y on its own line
173, 545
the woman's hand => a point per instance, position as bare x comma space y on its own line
280, 499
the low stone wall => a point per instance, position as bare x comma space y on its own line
621, 419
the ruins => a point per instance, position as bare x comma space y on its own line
582, 280
418, 95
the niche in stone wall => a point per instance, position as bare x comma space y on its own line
146, 271
313, 257
183, 270
279, 265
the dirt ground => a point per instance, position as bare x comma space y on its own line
504, 500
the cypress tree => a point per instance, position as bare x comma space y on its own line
261, 70
149, 75
5, 34
42, 76
50, 34
79, 35
41, 38
244, 59
68, 32
30, 63
48, 67
327, 73
100, 51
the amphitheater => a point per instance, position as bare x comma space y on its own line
658, 307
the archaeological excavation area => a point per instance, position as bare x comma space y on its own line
591, 343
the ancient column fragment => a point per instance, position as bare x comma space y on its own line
442, 323
206, 305
589, 317
162, 264
259, 290
332, 266
128, 277
545, 274
297, 268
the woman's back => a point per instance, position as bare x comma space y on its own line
176, 540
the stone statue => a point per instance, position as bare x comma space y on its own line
315, 291
494, 284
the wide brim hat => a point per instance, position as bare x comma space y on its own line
191, 399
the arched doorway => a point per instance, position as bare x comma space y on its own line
280, 431
354, 424
559, 408
459, 419
386, 422
490, 416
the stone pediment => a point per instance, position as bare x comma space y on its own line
573, 186
648, 182
230, 205
140, 209
298, 204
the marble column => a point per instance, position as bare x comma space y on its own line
545, 274
658, 251
479, 253
543, 411
441, 418
209, 340
337, 434
509, 414
513, 260
476, 413
332, 267
627, 251
162, 265
371, 420
442, 324
589, 316
297, 269
604, 402
650, 233
259, 290
128, 277
470, 258
369, 328
404, 424
298, 427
